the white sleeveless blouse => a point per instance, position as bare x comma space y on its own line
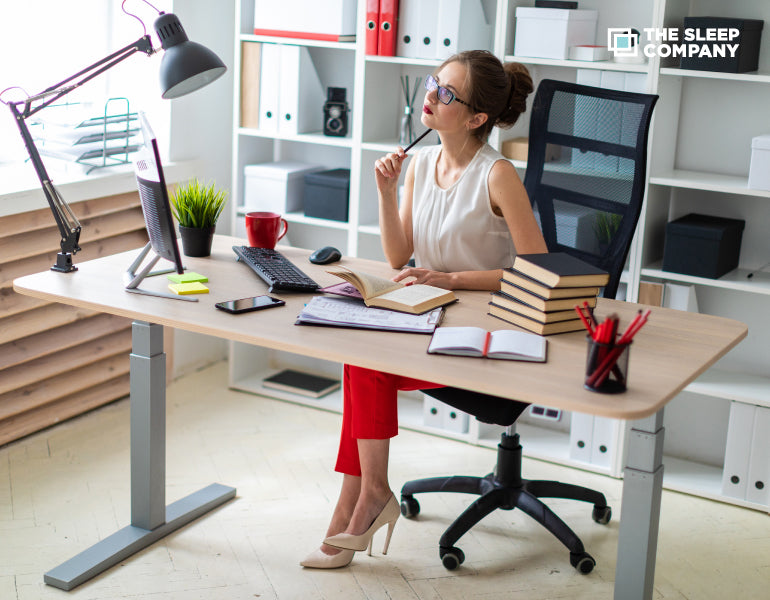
454, 229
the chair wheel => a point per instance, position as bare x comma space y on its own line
602, 514
582, 561
451, 557
409, 507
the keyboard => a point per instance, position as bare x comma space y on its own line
275, 269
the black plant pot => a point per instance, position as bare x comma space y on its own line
196, 241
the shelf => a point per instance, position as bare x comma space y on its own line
270, 39
369, 229
734, 280
710, 182
428, 63
253, 385
751, 77
305, 138
603, 65
751, 389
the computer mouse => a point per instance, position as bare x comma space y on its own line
325, 255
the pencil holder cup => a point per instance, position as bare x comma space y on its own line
606, 367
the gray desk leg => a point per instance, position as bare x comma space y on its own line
151, 519
640, 511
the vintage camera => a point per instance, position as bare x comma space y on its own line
336, 112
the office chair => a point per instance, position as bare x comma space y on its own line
588, 198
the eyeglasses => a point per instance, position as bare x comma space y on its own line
445, 95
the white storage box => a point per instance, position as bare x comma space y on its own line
759, 171
330, 20
277, 187
550, 32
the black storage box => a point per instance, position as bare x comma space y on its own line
702, 245
747, 55
326, 194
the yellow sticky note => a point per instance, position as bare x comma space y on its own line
188, 277
194, 287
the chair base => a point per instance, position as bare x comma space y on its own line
505, 489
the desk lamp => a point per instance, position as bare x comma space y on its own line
186, 66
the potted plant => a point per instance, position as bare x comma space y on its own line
197, 208
605, 226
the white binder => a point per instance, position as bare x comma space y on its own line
454, 420
461, 25
581, 437
603, 442
417, 28
432, 412
269, 87
301, 95
758, 480
291, 96
738, 449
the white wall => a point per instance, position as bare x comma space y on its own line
201, 129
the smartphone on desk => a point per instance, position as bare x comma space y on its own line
248, 304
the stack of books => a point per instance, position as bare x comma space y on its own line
540, 292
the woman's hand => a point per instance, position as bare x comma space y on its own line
434, 278
388, 169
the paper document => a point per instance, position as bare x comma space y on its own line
348, 312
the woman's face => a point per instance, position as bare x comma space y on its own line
439, 116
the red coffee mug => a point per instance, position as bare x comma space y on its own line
264, 229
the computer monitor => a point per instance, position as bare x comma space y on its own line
157, 217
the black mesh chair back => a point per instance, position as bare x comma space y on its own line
586, 172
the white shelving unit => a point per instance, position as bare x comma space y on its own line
699, 160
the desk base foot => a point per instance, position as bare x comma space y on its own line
129, 540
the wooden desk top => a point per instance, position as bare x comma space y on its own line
672, 349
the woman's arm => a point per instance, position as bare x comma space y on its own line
395, 224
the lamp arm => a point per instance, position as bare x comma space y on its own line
56, 91
66, 221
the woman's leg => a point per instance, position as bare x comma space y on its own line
370, 419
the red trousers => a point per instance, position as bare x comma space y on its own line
370, 411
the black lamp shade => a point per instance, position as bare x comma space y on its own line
186, 66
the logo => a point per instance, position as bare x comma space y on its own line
623, 42
671, 42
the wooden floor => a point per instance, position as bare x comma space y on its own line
65, 488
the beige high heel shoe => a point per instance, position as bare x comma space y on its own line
318, 559
389, 514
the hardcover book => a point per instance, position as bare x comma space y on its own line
534, 286
394, 295
506, 301
534, 326
559, 269
301, 383
544, 304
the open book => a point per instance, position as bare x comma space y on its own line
394, 295
507, 344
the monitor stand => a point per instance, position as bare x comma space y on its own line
133, 279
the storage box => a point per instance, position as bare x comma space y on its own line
702, 245
275, 186
326, 194
550, 32
330, 20
759, 170
747, 55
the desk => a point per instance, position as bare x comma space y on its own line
672, 350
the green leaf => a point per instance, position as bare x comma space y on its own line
196, 205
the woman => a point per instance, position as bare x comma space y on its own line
463, 216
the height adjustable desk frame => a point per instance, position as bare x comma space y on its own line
675, 346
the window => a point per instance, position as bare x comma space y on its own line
46, 41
